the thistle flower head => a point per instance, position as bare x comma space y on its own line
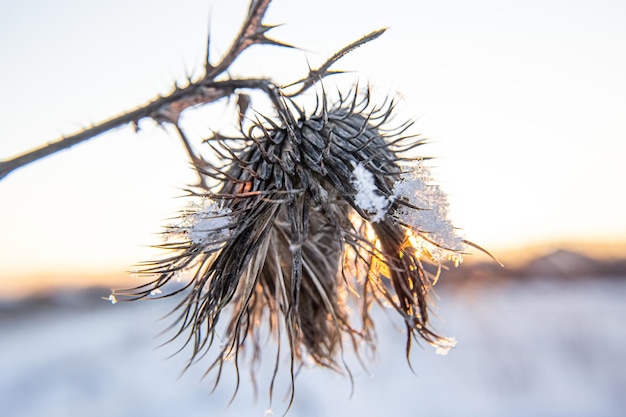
306, 209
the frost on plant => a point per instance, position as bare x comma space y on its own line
302, 218
113, 299
423, 207
205, 223
368, 197
311, 216
445, 346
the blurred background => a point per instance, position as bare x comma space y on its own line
523, 107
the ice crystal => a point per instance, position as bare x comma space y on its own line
368, 195
427, 212
444, 346
203, 223
112, 299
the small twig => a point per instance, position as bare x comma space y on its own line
207, 89
252, 32
324, 69
169, 108
160, 109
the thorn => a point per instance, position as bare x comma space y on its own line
266, 28
269, 41
324, 105
243, 102
323, 71
207, 61
336, 72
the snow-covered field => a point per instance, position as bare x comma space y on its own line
540, 348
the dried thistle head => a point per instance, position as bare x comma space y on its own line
306, 211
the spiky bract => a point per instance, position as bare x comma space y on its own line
282, 238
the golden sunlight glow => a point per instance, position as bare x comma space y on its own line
506, 119
425, 249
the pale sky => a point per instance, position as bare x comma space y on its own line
524, 104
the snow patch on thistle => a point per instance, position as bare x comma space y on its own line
112, 298
427, 212
203, 223
444, 346
367, 196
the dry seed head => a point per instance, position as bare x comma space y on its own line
307, 209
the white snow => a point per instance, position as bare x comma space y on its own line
368, 196
203, 223
432, 217
444, 346
428, 213
532, 349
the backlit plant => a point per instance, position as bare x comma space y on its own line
296, 221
